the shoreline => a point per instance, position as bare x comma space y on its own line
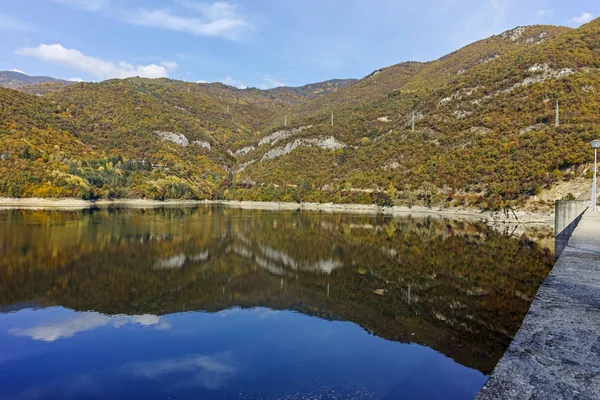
513, 217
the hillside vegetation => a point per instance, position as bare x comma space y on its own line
484, 131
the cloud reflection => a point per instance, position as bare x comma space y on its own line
86, 321
209, 371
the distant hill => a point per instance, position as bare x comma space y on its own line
483, 133
310, 91
17, 80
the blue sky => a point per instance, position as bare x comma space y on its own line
260, 43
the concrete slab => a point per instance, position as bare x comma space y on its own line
556, 352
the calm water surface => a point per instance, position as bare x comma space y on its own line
218, 303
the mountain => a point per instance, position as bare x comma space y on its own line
484, 127
18, 80
295, 95
483, 135
148, 138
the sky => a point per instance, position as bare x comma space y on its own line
254, 43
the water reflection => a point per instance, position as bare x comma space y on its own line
85, 321
136, 277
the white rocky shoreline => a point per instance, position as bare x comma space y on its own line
513, 216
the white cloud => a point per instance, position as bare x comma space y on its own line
218, 19
75, 79
84, 322
201, 81
545, 12
96, 67
232, 82
582, 19
169, 65
18, 70
7, 22
88, 5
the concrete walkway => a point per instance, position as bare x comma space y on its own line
556, 352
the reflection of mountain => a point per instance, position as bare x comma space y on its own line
457, 287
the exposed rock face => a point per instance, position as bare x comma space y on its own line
518, 34
202, 143
372, 74
461, 94
542, 73
177, 138
460, 114
532, 128
280, 135
181, 139
244, 150
245, 165
281, 151
328, 143
272, 139
537, 39
540, 68
514, 34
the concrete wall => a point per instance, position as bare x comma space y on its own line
567, 214
556, 352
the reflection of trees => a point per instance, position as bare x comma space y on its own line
457, 287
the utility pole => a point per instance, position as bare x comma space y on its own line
332, 118
285, 121
594, 191
595, 145
557, 121
413, 121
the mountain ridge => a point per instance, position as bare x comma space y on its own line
338, 141
17, 80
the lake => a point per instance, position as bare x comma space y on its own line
220, 303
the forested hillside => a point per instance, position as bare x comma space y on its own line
484, 126
484, 131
